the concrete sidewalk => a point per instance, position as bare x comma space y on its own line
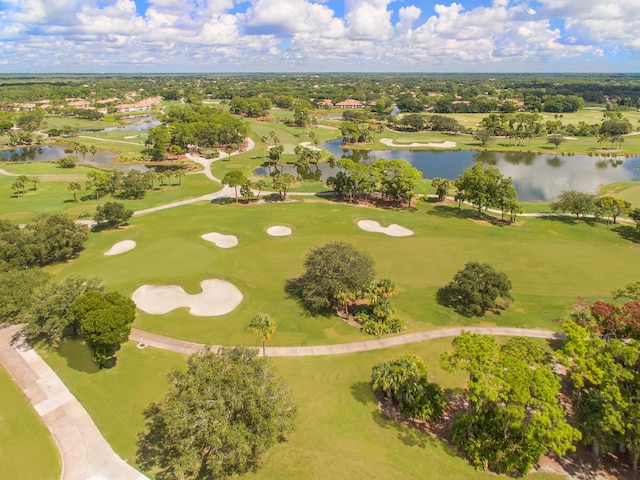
181, 346
85, 453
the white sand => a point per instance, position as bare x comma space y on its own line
310, 146
121, 247
220, 240
279, 231
390, 143
218, 297
392, 230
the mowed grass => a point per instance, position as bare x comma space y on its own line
24, 436
629, 191
52, 195
116, 397
340, 431
550, 262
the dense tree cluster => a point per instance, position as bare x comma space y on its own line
220, 417
404, 381
250, 107
395, 180
487, 188
338, 277
604, 372
194, 125
514, 415
49, 238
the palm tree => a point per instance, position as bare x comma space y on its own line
74, 187
93, 150
263, 328
387, 288
345, 298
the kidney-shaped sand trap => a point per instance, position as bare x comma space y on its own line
220, 240
392, 230
218, 297
279, 231
121, 247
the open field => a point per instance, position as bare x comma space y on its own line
52, 195
550, 262
23, 436
340, 432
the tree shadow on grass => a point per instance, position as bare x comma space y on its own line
448, 211
78, 356
628, 233
362, 392
564, 219
418, 433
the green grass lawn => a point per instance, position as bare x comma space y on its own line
52, 195
549, 261
629, 191
340, 431
27, 450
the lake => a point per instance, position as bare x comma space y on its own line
537, 177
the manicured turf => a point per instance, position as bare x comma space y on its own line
116, 397
27, 451
550, 262
629, 191
340, 432
52, 195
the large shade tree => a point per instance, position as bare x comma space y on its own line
476, 289
331, 270
220, 417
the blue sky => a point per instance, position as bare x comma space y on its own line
319, 36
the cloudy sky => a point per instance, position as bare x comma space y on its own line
319, 36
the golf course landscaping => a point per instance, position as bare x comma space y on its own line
200, 271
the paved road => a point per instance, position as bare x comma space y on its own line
181, 346
85, 453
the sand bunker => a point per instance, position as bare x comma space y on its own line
310, 146
392, 230
390, 143
279, 231
220, 240
121, 247
218, 297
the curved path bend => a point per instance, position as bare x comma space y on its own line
181, 346
84, 452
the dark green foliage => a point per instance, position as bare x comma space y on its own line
220, 417
68, 161
605, 374
17, 288
49, 238
333, 268
113, 214
49, 315
105, 320
476, 289
486, 188
404, 381
575, 202
514, 415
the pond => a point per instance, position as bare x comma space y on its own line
103, 158
537, 177
133, 124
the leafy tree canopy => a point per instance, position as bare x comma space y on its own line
220, 417
476, 289
329, 270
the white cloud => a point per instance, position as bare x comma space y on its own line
368, 19
307, 34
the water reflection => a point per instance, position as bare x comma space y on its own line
536, 177
134, 124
